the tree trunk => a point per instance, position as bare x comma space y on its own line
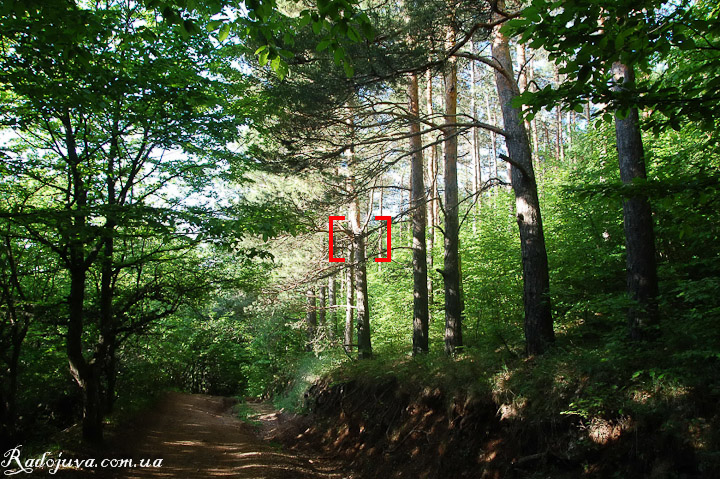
451, 273
538, 319
321, 309
18, 319
311, 318
559, 148
523, 76
361, 294
381, 236
418, 204
85, 374
432, 181
332, 304
474, 140
642, 280
493, 135
349, 298
110, 378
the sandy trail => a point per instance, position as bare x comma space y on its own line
198, 437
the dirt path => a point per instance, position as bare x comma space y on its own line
197, 436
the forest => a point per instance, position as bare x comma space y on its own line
358, 238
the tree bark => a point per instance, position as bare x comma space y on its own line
361, 294
523, 77
474, 139
332, 304
432, 181
311, 318
451, 273
418, 204
642, 280
493, 135
18, 319
349, 299
538, 319
559, 148
85, 373
321, 309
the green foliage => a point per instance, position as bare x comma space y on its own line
673, 45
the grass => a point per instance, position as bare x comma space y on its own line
246, 414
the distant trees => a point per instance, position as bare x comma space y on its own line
592, 41
419, 43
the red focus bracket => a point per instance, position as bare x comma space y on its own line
332, 259
389, 249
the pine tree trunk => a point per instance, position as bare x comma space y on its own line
363, 310
451, 273
523, 77
382, 238
311, 318
642, 280
361, 294
349, 298
418, 204
321, 308
474, 140
538, 319
432, 181
332, 304
493, 135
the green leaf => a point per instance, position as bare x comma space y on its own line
339, 55
224, 32
368, 31
317, 26
214, 25
323, 44
305, 19
263, 58
275, 63
349, 70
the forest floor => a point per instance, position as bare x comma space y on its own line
199, 436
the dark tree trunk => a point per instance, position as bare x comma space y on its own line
418, 204
361, 294
8, 395
538, 318
451, 273
642, 280
110, 377
311, 318
349, 299
85, 373
105, 350
18, 319
363, 311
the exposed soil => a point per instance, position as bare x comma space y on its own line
198, 436
383, 428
